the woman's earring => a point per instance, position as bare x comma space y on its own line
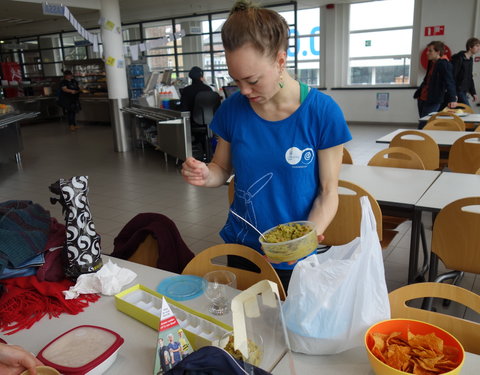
281, 83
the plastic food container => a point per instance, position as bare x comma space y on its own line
416, 327
82, 350
291, 250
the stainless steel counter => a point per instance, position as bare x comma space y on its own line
11, 143
46, 106
167, 130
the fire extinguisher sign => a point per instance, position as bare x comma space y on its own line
434, 30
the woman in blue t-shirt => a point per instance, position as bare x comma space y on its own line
283, 140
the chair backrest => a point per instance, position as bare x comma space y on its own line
347, 158
204, 107
466, 108
202, 263
444, 115
466, 331
444, 124
146, 253
422, 144
464, 156
231, 191
397, 157
345, 226
455, 238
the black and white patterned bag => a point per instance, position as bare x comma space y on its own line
82, 246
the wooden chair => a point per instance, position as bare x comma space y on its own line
401, 157
397, 157
464, 156
455, 240
202, 263
466, 108
347, 158
345, 226
478, 171
146, 253
231, 191
467, 332
445, 115
422, 144
444, 124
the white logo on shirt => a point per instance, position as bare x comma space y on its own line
295, 156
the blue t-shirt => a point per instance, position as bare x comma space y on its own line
275, 162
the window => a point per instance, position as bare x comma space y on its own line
380, 43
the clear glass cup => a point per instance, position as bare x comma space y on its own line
215, 285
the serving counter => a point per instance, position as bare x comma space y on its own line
46, 106
167, 130
11, 143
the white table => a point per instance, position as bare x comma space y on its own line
397, 190
470, 117
351, 362
447, 188
441, 137
137, 354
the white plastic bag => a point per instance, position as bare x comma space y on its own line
335, 296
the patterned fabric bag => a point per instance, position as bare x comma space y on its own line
82, 246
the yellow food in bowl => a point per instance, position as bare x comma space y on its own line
255, 353
291, 249
287, 232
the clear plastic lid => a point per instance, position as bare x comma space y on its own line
80, 349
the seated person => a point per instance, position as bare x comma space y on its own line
187, 101
190, 92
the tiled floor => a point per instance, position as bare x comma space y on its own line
125, 184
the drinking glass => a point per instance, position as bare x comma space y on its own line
215, 285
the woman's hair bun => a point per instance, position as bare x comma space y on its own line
242, 5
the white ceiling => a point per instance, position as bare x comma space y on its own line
25, 17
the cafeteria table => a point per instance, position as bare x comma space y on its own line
449, 187
397, 190
466, 117
445, 138
137, 354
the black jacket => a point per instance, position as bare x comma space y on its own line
190, 92
441, 86
462, 73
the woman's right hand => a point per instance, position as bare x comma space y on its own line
195, 172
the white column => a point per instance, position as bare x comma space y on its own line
116, 75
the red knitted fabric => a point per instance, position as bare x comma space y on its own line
28, 300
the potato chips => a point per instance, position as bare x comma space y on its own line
419, 354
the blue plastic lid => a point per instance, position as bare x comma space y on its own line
181, 287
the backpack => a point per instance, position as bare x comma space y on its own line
212, 360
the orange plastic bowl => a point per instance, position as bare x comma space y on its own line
416, 327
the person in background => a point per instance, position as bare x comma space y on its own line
174, 347
14, 360
183, 344
283, 140
190, 92
164, 356
438, 85
69, 98
462, 63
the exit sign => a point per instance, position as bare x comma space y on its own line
434, 30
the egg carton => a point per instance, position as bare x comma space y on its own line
145, 305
